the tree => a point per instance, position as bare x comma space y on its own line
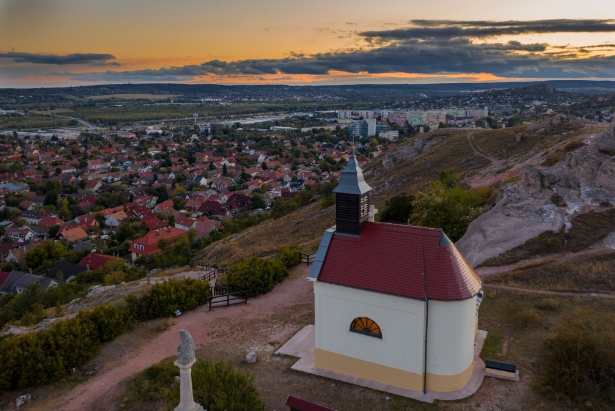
450, 208
114, 278
54, 185
163, 244
258, 201
397, 209
51, 198
53, 230
224, 170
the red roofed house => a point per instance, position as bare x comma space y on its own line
73, 234
148, 244
49, 221
95, 261
394, 304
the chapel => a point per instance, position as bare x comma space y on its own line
395, 304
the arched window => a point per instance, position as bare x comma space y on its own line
365, 326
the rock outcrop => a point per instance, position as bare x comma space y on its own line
551, 121
526, 208
605, 141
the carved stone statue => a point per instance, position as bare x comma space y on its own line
185, 360
185, 350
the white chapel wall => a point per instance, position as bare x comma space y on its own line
401, 321
450, 336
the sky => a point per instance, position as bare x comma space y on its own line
49, 43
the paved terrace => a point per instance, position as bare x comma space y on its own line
301, 345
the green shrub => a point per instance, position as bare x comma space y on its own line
218, 386
549, 304
526, 317
164, 298
48, 355
290, 256
257, 275
397, 209
580, 364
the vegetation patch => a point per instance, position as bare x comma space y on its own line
595, 275
559, 154
580, 364
446, 205
218, 386
587, 229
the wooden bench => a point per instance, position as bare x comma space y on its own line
498, 369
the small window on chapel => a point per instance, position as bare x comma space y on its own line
365, 326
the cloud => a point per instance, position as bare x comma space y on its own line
90, 59
423, 29
429, 47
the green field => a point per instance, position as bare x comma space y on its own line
133, 97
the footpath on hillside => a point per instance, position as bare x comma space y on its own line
91, 394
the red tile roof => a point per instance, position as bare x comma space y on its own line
400, 260
303, 405
3, 276
95, 261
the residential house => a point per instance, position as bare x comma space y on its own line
64, 271
115, 219
163, 206
95, 164
73, 234
18, 255
95, 261
49, 221
148, 244
18, 281
20, 234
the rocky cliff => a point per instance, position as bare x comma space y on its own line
544, 200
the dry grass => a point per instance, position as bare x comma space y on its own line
452, 151
587, 229
303, 227
517, 336
503, 144
559, 154
596, 275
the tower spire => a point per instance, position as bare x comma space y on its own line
352, 198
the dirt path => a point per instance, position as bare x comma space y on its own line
598, 249
560, 293
478, 152
291, 292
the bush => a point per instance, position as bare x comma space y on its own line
450, 208
290, 256
397, 209
218, 386
257, 275
580, 364
163, 299
48, 355
526, 317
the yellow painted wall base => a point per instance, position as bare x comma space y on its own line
448, 383
366, 370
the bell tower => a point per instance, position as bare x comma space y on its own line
351, 199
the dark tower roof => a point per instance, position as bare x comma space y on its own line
352, 180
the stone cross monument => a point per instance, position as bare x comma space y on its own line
185, 360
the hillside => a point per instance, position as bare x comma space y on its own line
482, 157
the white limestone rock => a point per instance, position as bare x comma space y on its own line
251, 357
